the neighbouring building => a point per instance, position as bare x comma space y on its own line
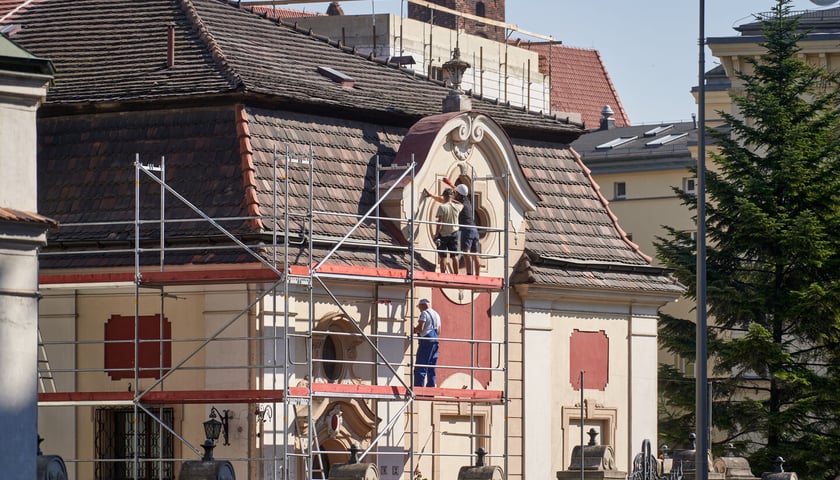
543, 76
244, 238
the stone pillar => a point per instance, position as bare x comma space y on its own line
23, 86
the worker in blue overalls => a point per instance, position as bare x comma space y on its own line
427, 328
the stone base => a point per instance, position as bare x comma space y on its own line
592, 475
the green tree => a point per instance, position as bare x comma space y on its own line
773, 266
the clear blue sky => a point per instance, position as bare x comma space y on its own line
650, 47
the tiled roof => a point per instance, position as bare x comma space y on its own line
204, 162
572, 220
262, 90
580, 83
221, 48
12, 215
277, 12
11, 8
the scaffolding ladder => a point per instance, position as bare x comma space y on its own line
46, 380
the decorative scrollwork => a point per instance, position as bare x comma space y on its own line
464, 137
646, 467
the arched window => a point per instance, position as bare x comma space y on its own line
480, 9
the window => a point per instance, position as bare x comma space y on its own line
115, 440
329, 354
689, 186
620, 191
666, 139
436, 73
480, 9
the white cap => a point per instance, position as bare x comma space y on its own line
425, 301
462, 189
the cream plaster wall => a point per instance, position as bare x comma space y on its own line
625, 411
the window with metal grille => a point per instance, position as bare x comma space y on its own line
117, 442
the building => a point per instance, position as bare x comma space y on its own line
567, 67
243, 236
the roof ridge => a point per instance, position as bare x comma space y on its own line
215, 50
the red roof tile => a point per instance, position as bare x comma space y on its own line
276, 12
12, 215
580, 83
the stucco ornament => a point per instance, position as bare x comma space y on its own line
464, 137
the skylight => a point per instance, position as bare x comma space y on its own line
336, 76
666, 139
616, 142
656, 131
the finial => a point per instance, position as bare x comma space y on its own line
480, 454
592, 434
354, 454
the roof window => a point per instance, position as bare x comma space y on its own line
616, 142
656, 131
336, 76
666, 139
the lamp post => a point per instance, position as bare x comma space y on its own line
701, 402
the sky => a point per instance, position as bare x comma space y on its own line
649, 47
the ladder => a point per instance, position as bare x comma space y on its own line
46, 381
313, 456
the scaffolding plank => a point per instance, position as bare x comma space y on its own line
217, 276
268, 396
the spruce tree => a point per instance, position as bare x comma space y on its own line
773, 266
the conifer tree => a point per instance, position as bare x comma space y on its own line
773, 266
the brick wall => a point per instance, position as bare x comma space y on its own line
493, 9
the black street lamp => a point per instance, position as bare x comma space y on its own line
212, 429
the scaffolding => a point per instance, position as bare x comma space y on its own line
283, 393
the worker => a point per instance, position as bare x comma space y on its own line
427, 328
446, 231
466, 227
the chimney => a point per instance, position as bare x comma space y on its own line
170, 45
607, 122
